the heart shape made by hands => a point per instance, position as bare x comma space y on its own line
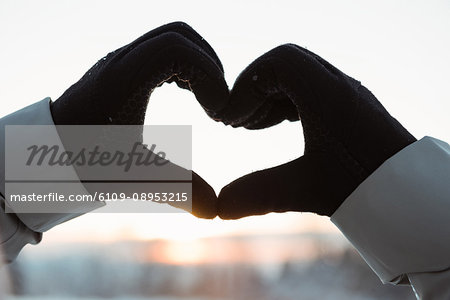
348, 133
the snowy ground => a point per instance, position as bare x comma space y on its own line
92, 275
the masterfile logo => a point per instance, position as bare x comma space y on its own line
61, 169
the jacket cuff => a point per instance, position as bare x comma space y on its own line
39, 114
15, 235
398, 218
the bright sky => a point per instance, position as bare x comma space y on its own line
398, 49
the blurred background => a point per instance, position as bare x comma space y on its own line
398, 49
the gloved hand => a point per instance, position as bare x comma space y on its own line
348, 134
117, 88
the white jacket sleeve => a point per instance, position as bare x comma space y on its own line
399, 219
19, 229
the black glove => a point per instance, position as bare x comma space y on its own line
348, 134
116, 89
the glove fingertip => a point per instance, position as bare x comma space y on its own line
204, 198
